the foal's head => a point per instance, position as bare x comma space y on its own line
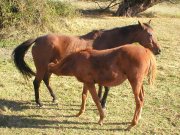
71, 64
147, 38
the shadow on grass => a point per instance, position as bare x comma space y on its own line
96, 13
21, 105
13, 105
13, 121
38, 121
147, 15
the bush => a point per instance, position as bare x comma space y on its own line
20, 13
64, 9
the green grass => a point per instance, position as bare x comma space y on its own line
161, 112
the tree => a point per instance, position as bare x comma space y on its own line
133, 7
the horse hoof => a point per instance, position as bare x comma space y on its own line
79, 114
39, 105
55, 101
100, 122
129, 127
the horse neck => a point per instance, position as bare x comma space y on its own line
117, 37
129, 34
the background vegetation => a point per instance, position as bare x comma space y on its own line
18, 112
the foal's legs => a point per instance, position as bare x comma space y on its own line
138, 94
94, 95
46, 81
84, 97
141, 96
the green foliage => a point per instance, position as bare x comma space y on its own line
63, 8
21, 13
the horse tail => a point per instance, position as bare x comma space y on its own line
152, 69
18, 58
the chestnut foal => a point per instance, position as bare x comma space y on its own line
109, 67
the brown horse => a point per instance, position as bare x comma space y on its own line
109, 67
52, 48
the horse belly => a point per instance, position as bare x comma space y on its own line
117, 79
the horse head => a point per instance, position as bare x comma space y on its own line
147, 38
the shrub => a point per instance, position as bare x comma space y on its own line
20, 13
64, 9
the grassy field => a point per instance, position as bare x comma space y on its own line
161, 113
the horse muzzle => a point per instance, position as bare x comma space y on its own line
157, 51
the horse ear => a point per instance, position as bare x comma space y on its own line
141, 25
149, 22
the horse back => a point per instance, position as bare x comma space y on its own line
54, 47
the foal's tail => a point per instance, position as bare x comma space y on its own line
152, 68
18, 57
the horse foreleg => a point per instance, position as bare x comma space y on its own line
46, 81
84, 97
95, 97
103, 101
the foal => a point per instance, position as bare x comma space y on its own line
109, 68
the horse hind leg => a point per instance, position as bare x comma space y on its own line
100, 92
141, 96
103, 101
36, 83
137, 88
40, 74
46, 81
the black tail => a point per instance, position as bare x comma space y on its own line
18, 57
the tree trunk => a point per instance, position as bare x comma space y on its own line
133, 7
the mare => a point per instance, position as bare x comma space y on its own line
52, 48
109, 67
